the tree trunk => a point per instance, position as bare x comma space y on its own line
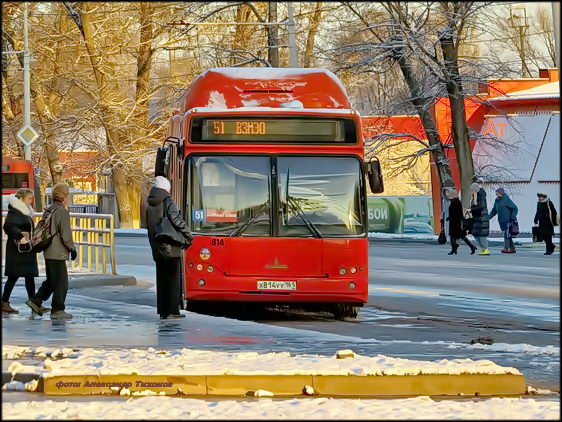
312, 30
459, 130
422, 104
272, 35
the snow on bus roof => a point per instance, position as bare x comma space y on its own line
268, 72
233, 87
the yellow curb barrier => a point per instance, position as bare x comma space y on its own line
289, 385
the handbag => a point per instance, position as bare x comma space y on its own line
24, 247
165, 232
442, 239
513, 228
467, 224
536, 234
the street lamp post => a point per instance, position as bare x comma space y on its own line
519, 20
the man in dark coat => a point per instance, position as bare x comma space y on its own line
456, 230
506, 211
545, 217
56, 257
481, 220
19, 228
166, 256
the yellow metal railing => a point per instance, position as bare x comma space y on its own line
93, 235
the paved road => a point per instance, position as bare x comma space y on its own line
423, 304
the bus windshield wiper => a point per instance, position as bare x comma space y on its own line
313, 229
244, 226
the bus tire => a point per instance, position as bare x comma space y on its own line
342, 311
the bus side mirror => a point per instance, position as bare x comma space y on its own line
162, 164
374, 174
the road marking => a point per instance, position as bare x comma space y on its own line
414, 292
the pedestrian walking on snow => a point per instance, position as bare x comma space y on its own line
506, 211
456, 229
21, 260
56, 255
165, 251
546, 217
481, 219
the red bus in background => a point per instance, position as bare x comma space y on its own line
267, 165
16, 174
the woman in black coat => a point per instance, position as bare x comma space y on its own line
545, 217
455, 223
166, 256
19, 264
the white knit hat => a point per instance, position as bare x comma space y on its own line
162, 183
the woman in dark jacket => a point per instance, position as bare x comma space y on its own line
455, 223
166, 256
506, 211
479, 212
19, 264
545, 217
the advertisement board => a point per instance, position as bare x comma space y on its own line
400, 214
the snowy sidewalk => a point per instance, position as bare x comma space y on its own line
203, 373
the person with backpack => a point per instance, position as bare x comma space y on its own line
506, 211
56, 255
166, 242
21, 260
456, 230
547, 218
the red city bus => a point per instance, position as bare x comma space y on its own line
16, 174
267, 166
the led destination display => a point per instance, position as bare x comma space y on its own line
273, 130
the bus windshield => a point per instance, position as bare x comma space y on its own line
320, 194
228, 191
316, 196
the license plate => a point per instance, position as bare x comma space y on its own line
277, 285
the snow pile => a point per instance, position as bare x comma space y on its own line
150, 408
517, 348
203, 362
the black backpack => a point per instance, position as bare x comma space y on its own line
42, 237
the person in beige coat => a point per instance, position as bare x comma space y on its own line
56, 255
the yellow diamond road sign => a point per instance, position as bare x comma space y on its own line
27, 134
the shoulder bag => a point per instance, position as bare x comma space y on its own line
165, 232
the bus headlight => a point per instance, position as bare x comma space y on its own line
343, 271
352, 285
210, 269
204, 253
201, 282
199, 267
353, 270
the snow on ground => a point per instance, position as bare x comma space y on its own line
205, 362
297, 409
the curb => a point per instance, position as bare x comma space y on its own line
350, 386
130, 234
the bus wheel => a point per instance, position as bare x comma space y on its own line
343, 310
